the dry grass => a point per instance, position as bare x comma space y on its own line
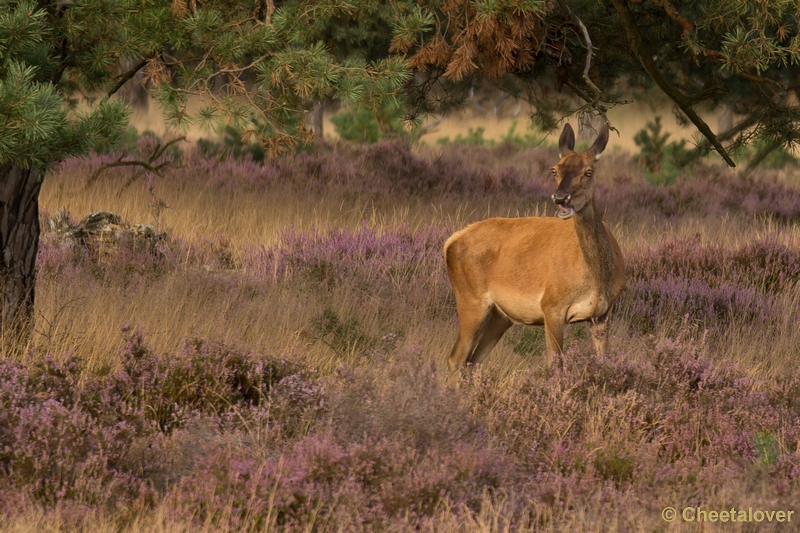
221, 296
171, 308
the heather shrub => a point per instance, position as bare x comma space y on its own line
359, 486
401, 397
627, 417
385, 169
342, 336
661, 302
764, 264
206, 377
708, 192
226, 436
382, 265
712, 284
103, 438
65, 439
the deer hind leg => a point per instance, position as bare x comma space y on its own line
480, 327
470, 320
492, 329
600, 329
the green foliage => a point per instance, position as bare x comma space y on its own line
777, 158
39, 127
357, 124
662, 161
615, 466
529, 341
40, 124
260, 71
231, 145
344, 337
474, 136
522, 140
361, 124
768, 448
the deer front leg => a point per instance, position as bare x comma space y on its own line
600, 327
553, 335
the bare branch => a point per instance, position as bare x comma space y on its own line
589, 50
240, 69
148, 165
270, 11
762, 79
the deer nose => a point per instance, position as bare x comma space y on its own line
561, 198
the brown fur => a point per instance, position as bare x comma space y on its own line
535, 270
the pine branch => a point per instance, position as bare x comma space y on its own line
751, 120
124, 78
675, 15
689, 29
645, 58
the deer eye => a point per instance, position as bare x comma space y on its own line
589, 173
553, 171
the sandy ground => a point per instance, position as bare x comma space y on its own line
628, 119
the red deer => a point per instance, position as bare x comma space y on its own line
548, 271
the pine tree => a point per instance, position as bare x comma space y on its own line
46, 52
257, 67
700, 53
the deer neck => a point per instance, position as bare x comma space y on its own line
596, 246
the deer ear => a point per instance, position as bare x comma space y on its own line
567, 140
599, 145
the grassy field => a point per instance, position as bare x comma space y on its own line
278, 361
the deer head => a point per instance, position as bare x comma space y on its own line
574, 173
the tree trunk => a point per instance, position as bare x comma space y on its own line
317, 120
762, 155
725, 120
19, 243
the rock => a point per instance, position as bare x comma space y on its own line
104, 231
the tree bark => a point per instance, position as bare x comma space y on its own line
19, 244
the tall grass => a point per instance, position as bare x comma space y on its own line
277, 363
